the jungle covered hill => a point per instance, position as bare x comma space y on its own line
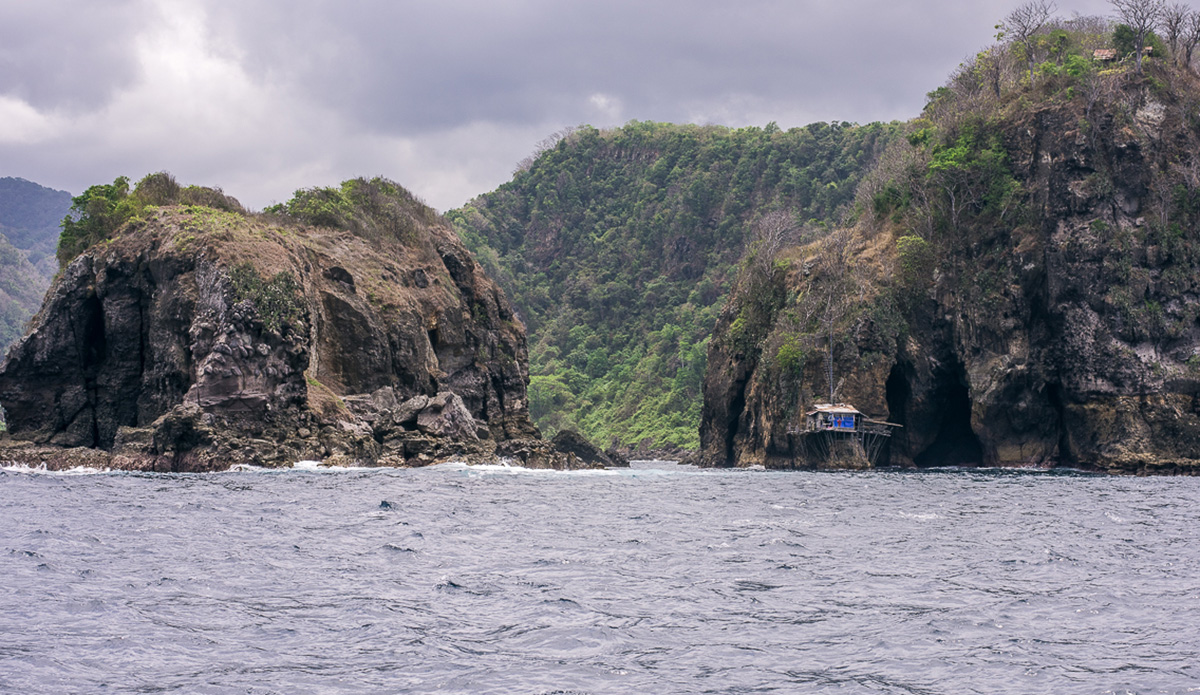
1021, 288
618, 247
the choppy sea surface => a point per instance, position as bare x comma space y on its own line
657, 579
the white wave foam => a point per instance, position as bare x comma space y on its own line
43, 470
321, 467
506, 466
921, 516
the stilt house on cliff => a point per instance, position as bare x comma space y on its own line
839, 433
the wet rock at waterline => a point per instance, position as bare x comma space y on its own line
570, 441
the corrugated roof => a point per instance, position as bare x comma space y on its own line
838, 408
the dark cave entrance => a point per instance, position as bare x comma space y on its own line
1054, 393
93, 348
898, 394
94, 345
956, 443
731, 428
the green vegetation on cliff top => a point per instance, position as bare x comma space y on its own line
101, 210
617, 248
370, 208
373, 209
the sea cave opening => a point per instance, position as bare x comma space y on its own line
956, 443
94, 344
93, 348
731, 426
898, 394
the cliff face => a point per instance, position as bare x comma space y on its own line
1060, 330
197, 339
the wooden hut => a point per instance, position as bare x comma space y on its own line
839, 434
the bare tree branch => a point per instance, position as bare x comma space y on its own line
1141, 16
1023, 24
1174, 24
544, 146
1191, 37
771, 234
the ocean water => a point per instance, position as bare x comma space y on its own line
658, 579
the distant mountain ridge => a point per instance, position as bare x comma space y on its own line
30, 215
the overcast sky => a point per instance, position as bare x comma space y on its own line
262, 97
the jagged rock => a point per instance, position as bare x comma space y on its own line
571, 442
376, 408
134, 440
446, 416
619, 460
536, 453
181, 430
406, 413
24, 453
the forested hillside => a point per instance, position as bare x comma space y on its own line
29, 225
617, 247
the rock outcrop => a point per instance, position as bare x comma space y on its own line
570, 441
197, 339
1061, 331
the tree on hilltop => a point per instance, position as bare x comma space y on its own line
1174, 28
1180, 27
1023, 24
1141, 16
1191, 38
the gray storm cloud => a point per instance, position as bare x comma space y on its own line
262, 97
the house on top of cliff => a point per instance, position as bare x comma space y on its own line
1107, 55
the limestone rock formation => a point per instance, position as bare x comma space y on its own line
197, 339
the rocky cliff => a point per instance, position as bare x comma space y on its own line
1022, 289
197, 338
